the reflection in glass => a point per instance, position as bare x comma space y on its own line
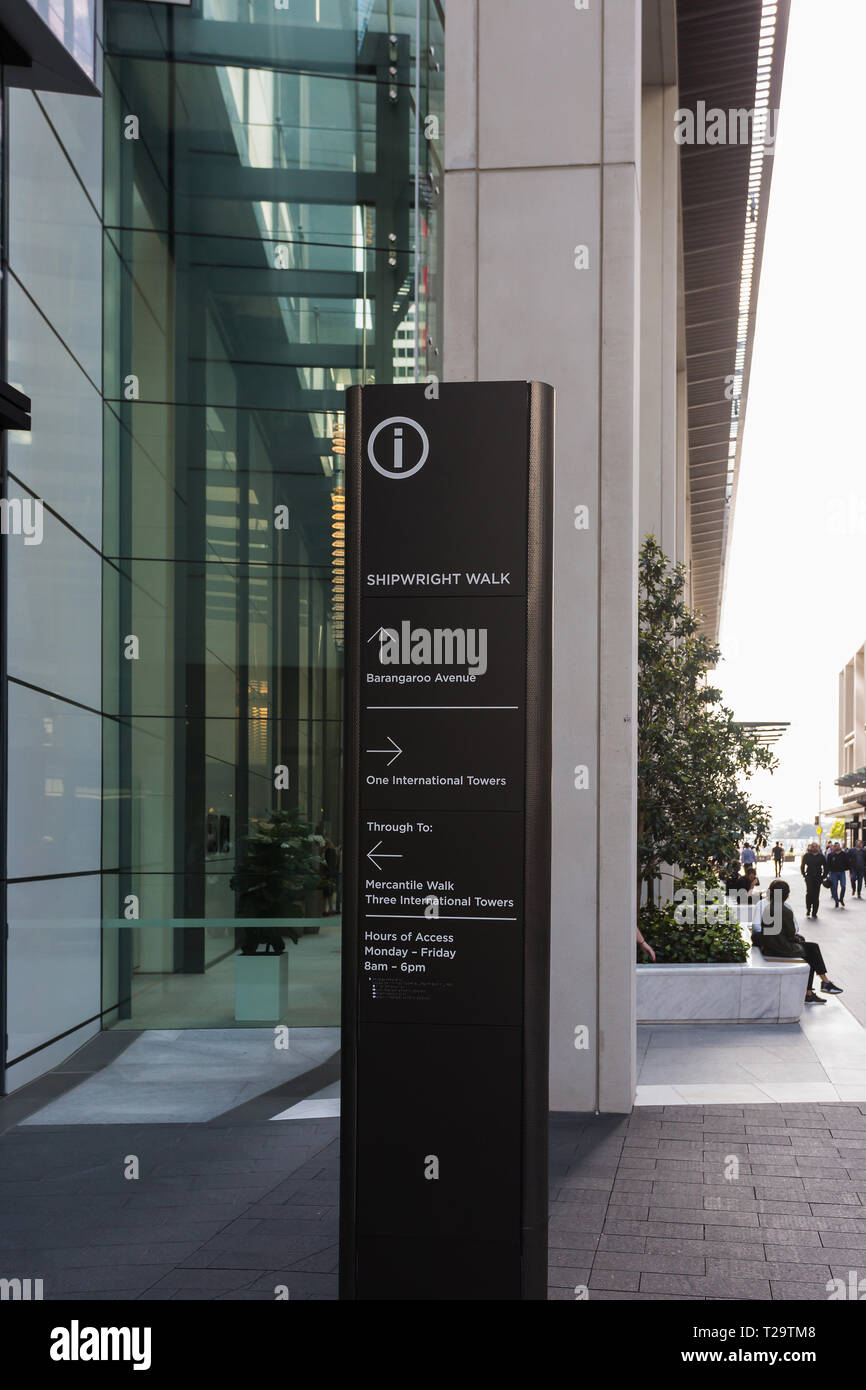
72, 22
271, 225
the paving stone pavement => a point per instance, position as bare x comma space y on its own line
641, 1207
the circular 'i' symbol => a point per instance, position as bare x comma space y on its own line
398, 447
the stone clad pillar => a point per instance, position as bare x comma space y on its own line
542, 272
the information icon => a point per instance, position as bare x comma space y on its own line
398, 447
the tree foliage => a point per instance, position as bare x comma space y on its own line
720, 943
693, 757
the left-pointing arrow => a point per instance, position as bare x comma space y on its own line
381, 854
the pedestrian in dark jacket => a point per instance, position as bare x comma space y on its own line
779, 938
734, 879
812, 867
838, 865
857, 859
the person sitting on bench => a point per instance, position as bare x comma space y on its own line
779, 939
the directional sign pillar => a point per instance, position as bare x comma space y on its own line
446, 855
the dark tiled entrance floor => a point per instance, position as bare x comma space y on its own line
641, 1207
216, 1212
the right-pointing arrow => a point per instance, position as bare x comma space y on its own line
395, 750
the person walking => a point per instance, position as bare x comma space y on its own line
812, 866
838, 865
778, 856
329, 877
857, 861
748, 855
780, 939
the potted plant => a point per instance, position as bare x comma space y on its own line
277, 867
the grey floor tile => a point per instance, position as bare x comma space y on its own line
717, 1287
619, 1279
567, 1276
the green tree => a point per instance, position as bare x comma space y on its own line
693, 757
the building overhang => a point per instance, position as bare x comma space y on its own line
766, 731
14, 408
730, 56
33, 56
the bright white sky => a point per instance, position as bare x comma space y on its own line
795, 604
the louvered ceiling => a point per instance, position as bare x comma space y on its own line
718, 48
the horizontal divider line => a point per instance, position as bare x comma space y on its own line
422, 916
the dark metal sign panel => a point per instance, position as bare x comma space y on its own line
447, 842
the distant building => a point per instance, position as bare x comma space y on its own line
852, 746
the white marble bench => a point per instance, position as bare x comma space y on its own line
759, 990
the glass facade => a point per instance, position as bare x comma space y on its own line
51, 614
272, 224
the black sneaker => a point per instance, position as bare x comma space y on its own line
813, 998
830, 988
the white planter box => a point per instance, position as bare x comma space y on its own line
758, 991
261, 987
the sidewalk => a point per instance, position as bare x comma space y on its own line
763, 1197
682, 1202
820, 1059
642, 1207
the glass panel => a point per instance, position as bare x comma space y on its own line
66, 287
54, 784
53, 957
59, 458
54, 595
266, 194
78, 122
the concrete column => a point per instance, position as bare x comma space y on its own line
661, 498
684, 545
542, 269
